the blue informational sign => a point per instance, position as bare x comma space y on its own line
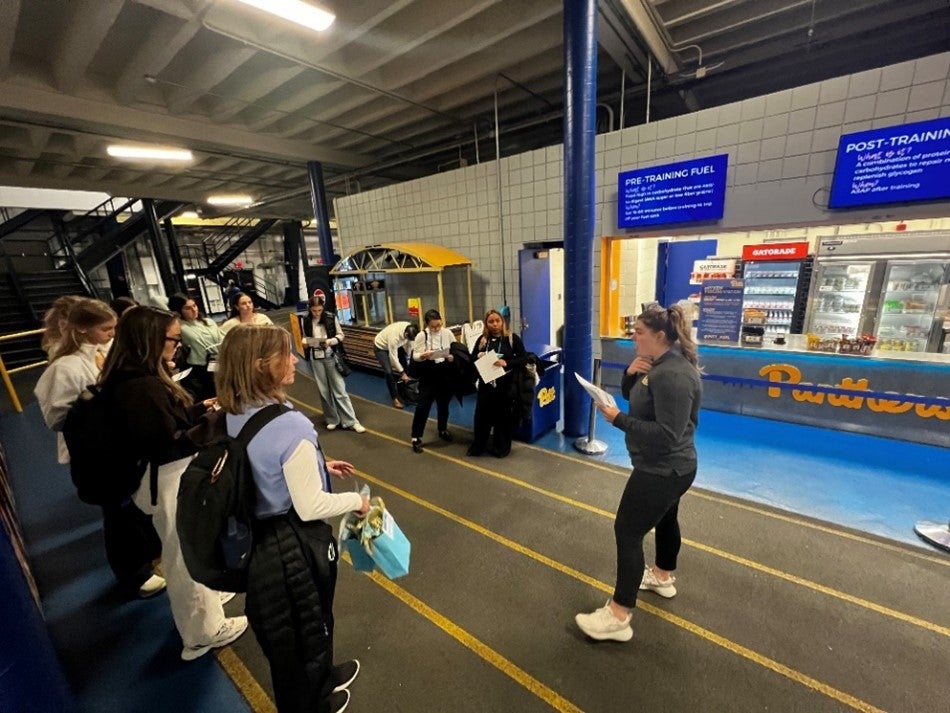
720, 311
682, 192
903, 163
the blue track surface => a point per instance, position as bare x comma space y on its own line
877, 485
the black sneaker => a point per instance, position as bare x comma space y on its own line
417, 445
338, 701
446, 436
344, 674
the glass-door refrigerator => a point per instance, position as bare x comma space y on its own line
839, 304
776, 281
912, 304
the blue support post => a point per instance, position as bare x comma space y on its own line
580, 102
318, 194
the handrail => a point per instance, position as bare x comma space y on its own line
5, 373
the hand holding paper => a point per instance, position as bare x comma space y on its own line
487, 371
600, 397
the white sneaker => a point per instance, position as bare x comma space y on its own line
225, 597
602, 625
359, 427
332, 426
230, 631
152, 586
651, 583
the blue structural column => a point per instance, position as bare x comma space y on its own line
318, 194
580, 102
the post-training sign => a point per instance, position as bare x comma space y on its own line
683, 192
903, 163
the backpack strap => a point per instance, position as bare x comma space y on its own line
259, 420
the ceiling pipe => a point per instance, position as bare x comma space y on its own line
652, 34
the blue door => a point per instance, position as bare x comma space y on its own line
535, 291
673, 267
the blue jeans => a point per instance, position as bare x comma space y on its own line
382, 356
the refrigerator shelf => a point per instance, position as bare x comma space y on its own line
895, 313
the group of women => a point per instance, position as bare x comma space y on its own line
292, 576
293, 567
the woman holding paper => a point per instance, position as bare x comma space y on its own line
293, 567
663, 387
496, 406
432, 364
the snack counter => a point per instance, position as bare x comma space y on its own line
902, 395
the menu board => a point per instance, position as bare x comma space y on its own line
896, 164
720, 310
681, 192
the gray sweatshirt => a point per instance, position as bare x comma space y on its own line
664, 413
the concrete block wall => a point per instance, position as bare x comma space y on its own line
781, 156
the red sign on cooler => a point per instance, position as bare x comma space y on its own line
775, 251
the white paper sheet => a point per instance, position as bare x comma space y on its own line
487, 370
440, 353
181, 374
600, 397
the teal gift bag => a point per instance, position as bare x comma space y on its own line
390, 548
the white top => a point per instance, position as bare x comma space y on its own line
432, 342
235, 321
390, 339
62, 383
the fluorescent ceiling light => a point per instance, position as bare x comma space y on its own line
189, 214
154, 153
230, 200
303, 13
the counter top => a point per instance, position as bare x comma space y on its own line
795, 344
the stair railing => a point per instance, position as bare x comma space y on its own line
5, 373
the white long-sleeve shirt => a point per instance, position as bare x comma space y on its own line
391, 339
60, 386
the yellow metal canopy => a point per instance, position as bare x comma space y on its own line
399, 256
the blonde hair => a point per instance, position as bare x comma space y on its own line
250, 367
54, 319
85, 314
505, 331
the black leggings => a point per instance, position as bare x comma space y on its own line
648, 501
131, 543
436, 391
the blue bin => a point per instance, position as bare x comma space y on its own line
546, 407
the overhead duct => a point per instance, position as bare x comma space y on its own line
652, 34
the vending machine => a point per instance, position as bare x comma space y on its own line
894, 286
776, 277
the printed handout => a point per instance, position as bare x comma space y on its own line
600, 397
487, 370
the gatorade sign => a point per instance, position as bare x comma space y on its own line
775, 251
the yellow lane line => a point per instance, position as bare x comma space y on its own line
698, 493
744, 652
480, 649
246, 684
736, 559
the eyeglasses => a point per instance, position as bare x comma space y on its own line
176, 340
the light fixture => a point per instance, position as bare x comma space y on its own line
149, 153
225, 199
303, 13
189, 215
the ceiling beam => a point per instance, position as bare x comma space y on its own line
10, 12
643, 19
82, 114
87, 24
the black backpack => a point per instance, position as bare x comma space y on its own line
102, 461
216, 499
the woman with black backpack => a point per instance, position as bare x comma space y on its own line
156, 415
292, 572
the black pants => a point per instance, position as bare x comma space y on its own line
434, 390
382, 356
291, 582
494, 414
131, 543
648, 501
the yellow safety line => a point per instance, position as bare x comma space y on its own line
246, 684
482, 650
737, 559
714, 638
696, 493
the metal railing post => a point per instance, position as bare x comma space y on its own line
589, 445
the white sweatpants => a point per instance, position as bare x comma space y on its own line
197, 610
